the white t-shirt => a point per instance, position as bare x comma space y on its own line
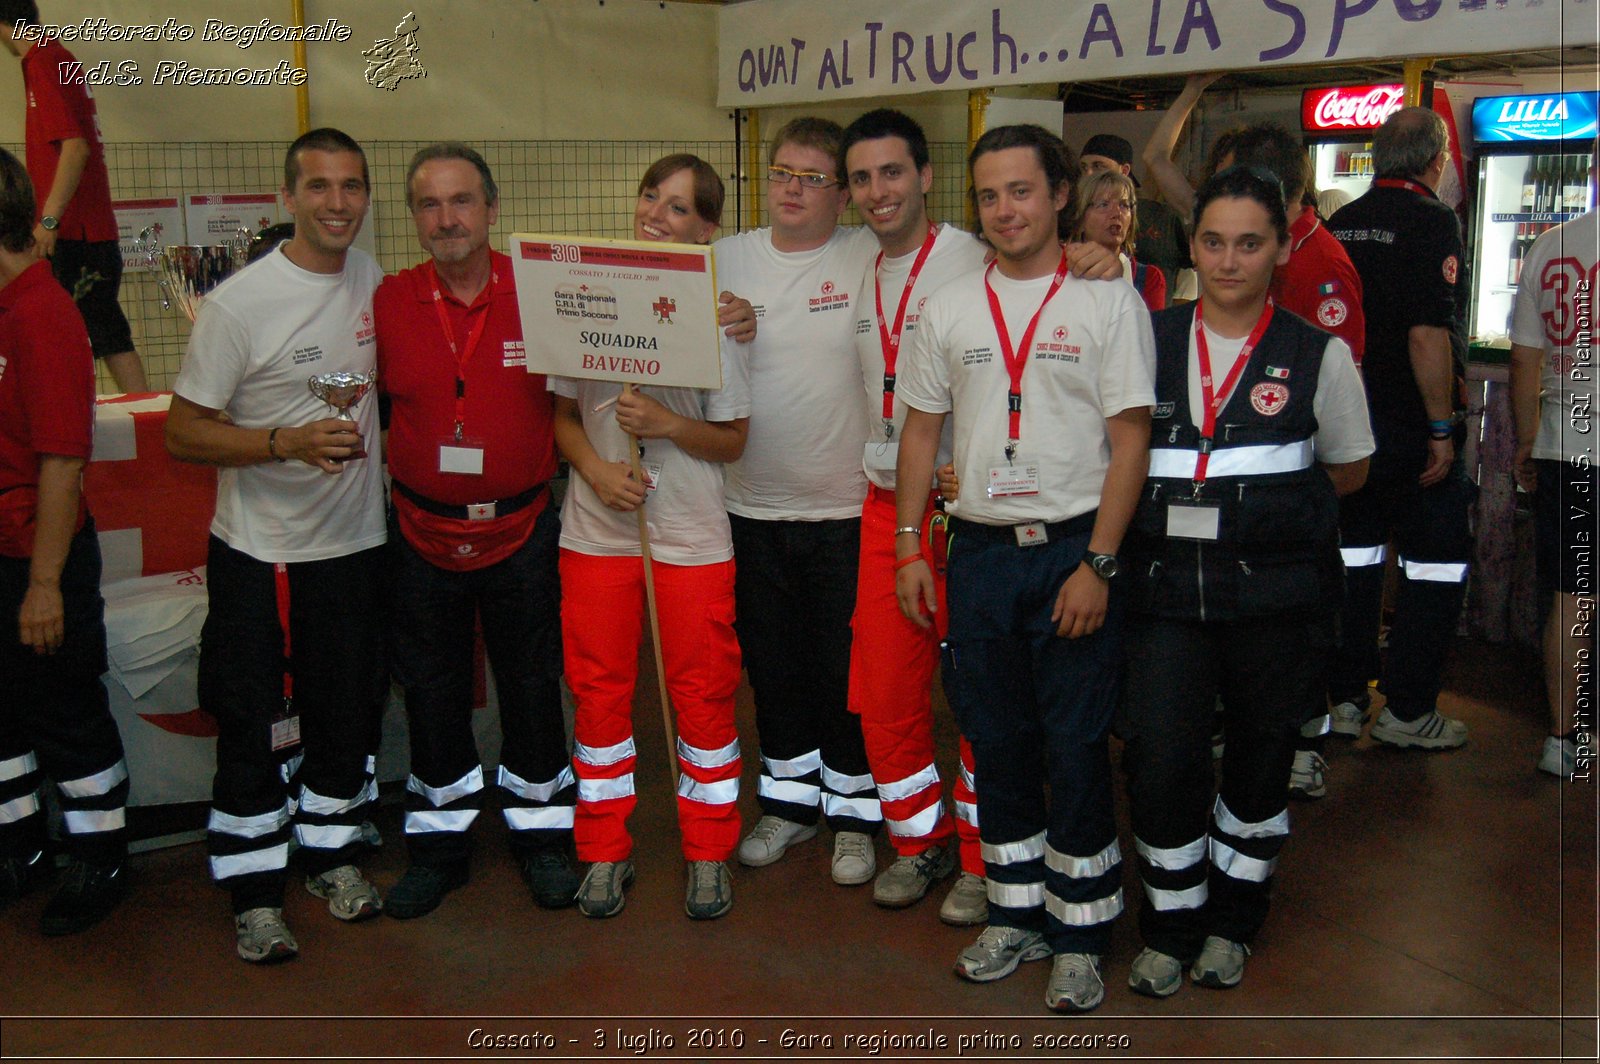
955, 252
259, 337
1344, 430
1093, 356
684, 512
807, 422
1557, 291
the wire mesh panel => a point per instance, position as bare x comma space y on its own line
576, 187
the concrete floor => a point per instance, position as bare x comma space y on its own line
1439, 906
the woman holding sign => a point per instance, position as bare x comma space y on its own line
684, 434
1235, 579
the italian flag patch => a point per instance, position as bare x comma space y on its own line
1278, 373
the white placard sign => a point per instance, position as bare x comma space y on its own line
135, 216
217, 217
778, 52
618, 310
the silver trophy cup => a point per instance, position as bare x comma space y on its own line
342, 390
187, 272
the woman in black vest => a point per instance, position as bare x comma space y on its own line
1235, 578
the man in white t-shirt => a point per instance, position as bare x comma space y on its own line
1049, 383
887, 169
1553, 335
794, 504
291, 661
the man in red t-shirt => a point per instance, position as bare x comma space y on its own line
55, 719
74, 225
471, 453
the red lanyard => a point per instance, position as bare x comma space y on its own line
889, 338
1399, 182
1212, 401
280, 587
464, 354
1017, 358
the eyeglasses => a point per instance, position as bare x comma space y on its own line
782, 175
1105, 205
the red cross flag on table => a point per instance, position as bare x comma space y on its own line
153, 513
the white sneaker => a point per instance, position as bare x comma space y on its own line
967, 903
350, 897
1075, 984
854, 862
1348, 719
770, 839
998, 951
263, 936
1559, 756
1308, 775
1431, 731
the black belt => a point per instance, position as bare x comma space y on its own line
972, 530
472, 511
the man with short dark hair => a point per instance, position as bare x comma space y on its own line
56, 719
884, 156
75, 229
291, 658
1049, 383
471, 455
794, 503
1407, 247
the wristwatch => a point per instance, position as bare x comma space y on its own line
50, 223
1105, 566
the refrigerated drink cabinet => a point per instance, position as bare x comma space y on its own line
1535, 170
1337, 125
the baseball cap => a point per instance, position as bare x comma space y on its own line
1112, 147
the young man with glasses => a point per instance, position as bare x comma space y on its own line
794, 501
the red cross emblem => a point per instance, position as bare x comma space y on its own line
827, 288
1060, 334
1268, 397
366, 320
664, 309
1030, 533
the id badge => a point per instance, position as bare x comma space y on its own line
1197, 519
461, 456
1011, 479
652, 476
286, 731
1032, 534
881, 456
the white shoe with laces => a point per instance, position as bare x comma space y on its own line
854, 862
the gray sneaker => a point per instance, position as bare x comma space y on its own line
906, 881
1308, 776
263, 936
854, 861
350, 897
770, 839
1347, 719
1220, 964
1155, 974
600, 894
998, 951
1432, 731
1075, 984
710, 892
967, 903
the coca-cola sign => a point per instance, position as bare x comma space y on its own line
1351, 107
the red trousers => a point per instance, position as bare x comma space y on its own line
602, 614
892, 662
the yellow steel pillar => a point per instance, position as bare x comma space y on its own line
977, 116
1414, 69
755, 170
302, 92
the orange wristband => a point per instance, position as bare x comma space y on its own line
901, 563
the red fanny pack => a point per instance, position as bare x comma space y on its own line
462, 545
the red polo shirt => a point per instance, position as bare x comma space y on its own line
59, 108
46, 395
1320, 283
506, 411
